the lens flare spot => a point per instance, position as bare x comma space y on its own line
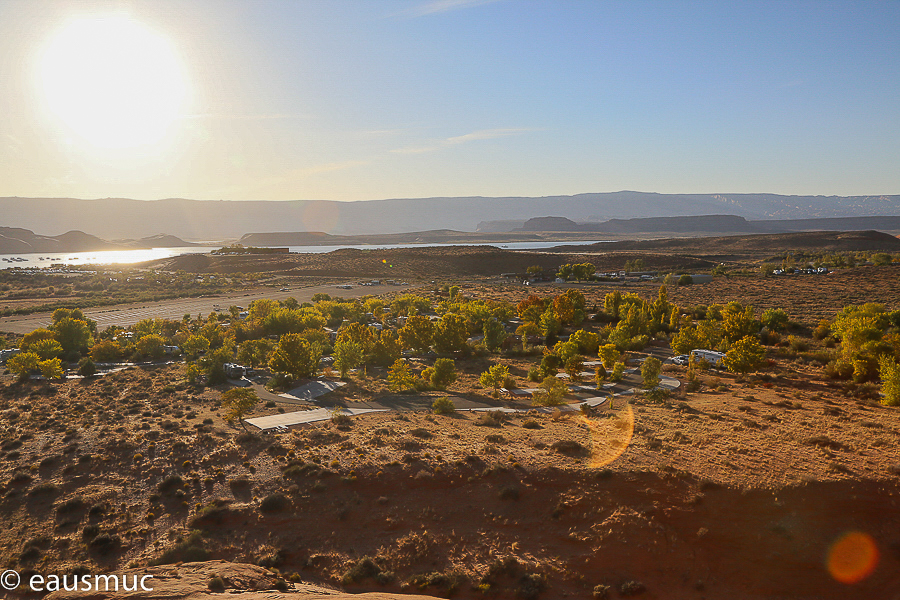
853, 557
610, 437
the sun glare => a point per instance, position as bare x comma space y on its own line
113, 82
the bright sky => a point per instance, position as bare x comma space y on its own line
356, 100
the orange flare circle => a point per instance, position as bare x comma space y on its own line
853, 557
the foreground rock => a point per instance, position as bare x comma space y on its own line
245, 581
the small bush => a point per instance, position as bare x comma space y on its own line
531, 424
570, 447
170, 484
443, 406
274, 503
217, 585
187, 550
364, 568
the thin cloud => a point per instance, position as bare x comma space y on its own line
483, 134
228, 117
441, 6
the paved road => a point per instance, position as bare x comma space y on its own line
124, 315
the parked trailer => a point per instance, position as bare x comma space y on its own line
714, 358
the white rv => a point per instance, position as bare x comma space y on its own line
714, 358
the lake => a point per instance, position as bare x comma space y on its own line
44, 260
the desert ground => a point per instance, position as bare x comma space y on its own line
779, 483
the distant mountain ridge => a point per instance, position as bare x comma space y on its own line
712, 224
113, 218
15, 240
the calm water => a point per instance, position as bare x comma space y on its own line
44, 260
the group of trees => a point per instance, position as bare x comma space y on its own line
869, 346
69, 336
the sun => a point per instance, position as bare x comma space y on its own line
113, 82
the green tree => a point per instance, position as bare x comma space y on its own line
738, 321
254, 352
400, 377
687, 339
195, 345
105, 351
588, 342
36, 336
609, 354
46, 349
23, 364
51, 368
775, 319
534, 271
494, 377
417, 334
612, 303
650, 370
386, 349
494, 334
550, 322
745, 355
600, 376
618, 372
347, 355
442, 374
551, 392
574, 367
295, 356
889, 371
450, 334
73, 334
238, 402
359, 334
150, 346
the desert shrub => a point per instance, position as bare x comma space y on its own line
839, 369
443, 406
421, 433
797, 344
90, 531
70, 506
531, 424
104, 544
44, 489
632, 588
170, 484
534, 374
274, 503
86, 367
189, 549
364, 568
494, 418
530, 586
601, 592
570, 447
340, 420
216, 585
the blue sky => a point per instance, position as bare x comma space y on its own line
361, 100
